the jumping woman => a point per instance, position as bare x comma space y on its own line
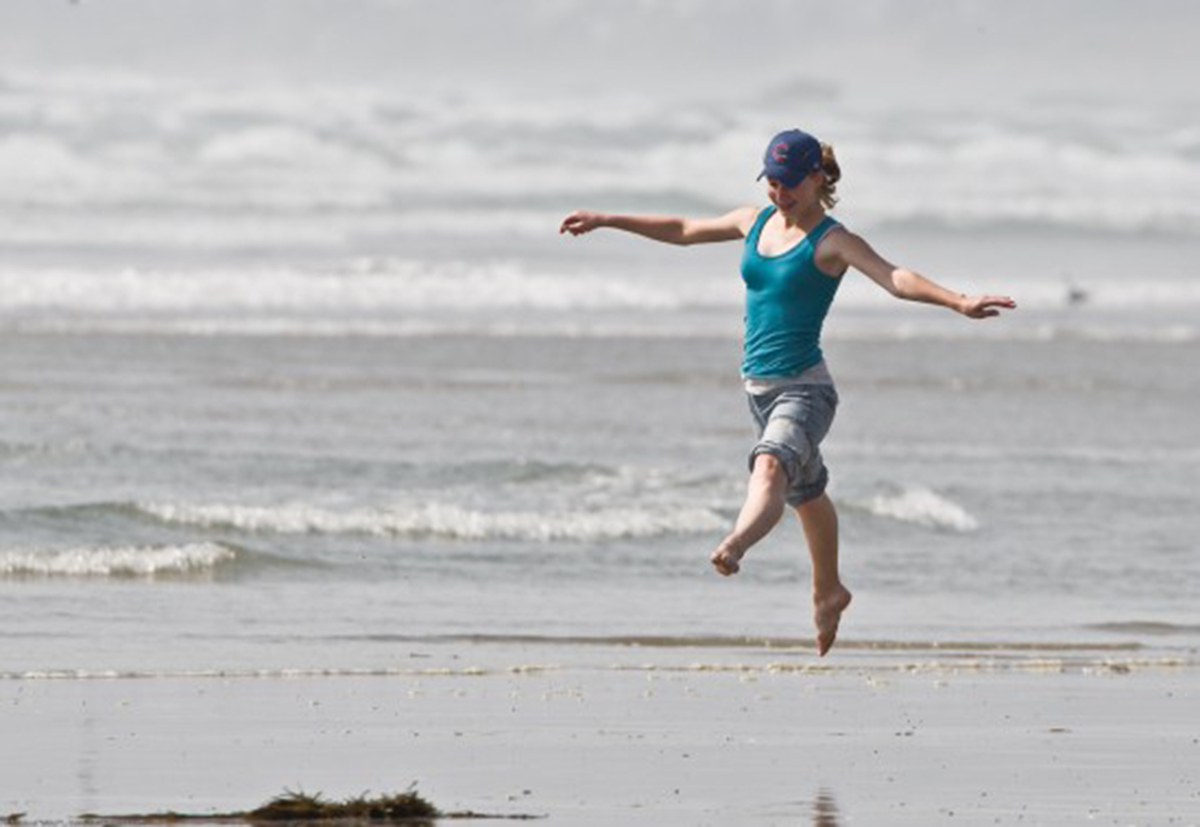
793, 261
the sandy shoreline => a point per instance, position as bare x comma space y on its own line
592, 746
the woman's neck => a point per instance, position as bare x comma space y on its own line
804, 217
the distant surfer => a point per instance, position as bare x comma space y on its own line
793, 261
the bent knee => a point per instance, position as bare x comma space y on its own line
770, 469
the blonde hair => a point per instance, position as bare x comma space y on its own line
833, 174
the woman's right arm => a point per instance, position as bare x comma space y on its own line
668, 229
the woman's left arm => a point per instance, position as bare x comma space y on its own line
850, 250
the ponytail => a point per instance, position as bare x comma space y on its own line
833, 174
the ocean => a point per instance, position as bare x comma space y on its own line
302, 379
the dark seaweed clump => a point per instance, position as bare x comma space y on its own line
407, 808
300, 806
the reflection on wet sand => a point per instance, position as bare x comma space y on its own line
824, 810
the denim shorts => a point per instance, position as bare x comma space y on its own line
792, 421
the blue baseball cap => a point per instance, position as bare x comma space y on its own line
790, 157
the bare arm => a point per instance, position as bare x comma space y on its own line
849, 250
668, 229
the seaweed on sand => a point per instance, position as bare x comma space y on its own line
298, 806
407, 808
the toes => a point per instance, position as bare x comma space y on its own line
825, 642
725, 563
725, 566
827, 619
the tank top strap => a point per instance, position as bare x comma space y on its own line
818, 232
813, 238
756, 230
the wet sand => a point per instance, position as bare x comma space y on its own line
629, 744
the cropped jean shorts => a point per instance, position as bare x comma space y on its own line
792, 421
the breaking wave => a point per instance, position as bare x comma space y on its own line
442, 521
921, 506
355, 288
206, 153
116, 561
388, 288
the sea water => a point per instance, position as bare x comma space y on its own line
307, 380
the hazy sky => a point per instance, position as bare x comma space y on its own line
903, 52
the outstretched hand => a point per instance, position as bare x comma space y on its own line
981, 307
580, 222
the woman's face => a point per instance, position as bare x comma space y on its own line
802, 195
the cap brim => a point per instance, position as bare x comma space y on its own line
785, 178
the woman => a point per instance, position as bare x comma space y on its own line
793, 261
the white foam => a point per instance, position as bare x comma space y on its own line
998, 659
401, 297
104, 561
306, 148
1082, 454
361, 287
444, 521
922, 506
704, 323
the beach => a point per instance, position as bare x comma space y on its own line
717, 735
328, 463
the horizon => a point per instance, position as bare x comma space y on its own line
971, 53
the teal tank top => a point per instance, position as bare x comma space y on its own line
787, 299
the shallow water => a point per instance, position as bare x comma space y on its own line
315, 502
275, 399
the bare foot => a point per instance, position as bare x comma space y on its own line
827, 613
726, 558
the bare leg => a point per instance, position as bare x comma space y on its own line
830, 597
761, 511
